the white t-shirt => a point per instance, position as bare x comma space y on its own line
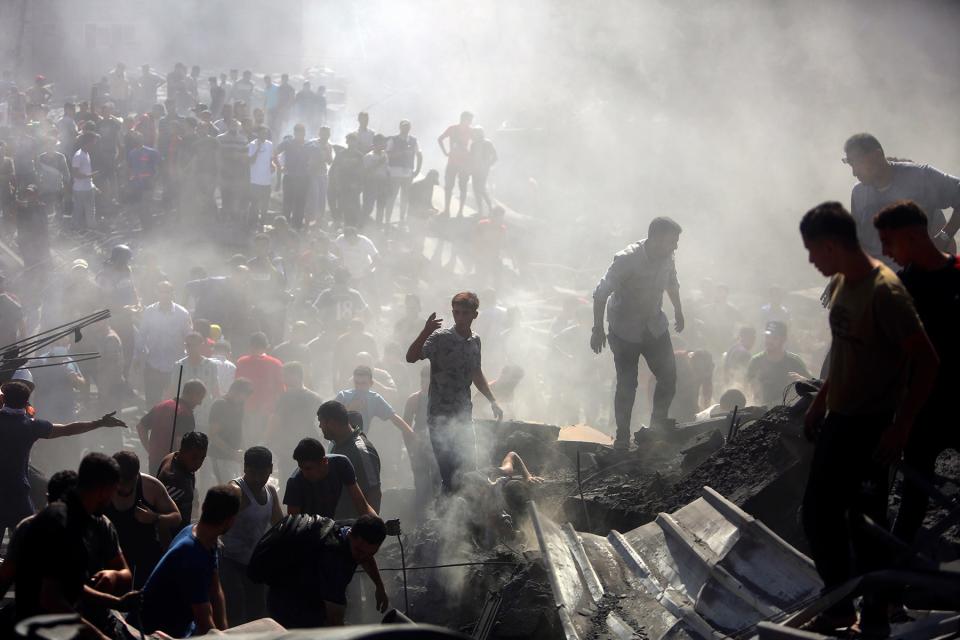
81, 164
162, 333
358, 255
260, 173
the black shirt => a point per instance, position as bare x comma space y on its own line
320, 498
366, 464
180, 484
65, 543
936, 296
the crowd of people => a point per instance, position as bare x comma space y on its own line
267, 300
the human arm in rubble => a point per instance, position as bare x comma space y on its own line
512, 464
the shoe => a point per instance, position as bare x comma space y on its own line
827, 623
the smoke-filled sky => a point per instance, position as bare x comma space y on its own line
729, 116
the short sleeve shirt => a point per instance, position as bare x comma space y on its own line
773, 376
320, 498
18, 432
369, 404
181, 484
453, 361
180, 580
869, 321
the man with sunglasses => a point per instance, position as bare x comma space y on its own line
884, 181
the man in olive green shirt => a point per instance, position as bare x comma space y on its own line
862, 416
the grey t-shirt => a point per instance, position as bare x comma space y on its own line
930, 188
634, 285
453, 361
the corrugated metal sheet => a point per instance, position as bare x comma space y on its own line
707, 570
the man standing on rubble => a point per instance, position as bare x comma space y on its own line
933, 279
863, 414
454, 355
635, 284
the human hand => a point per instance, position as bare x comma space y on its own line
535, 480
144, 515
129, 602
383, 601
598, 340
890, 448
678, 321
104, 581
497, 411
433, 323
109, 420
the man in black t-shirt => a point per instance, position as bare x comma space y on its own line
316, 486
71, 544
335, 423
226, 430
325, 580
933, 279
178, 473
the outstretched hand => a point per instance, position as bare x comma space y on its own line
109, 420
433, 323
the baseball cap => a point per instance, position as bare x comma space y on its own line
776, 328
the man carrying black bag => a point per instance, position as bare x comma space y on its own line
308, 561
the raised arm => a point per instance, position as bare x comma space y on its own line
76, 428
415, 352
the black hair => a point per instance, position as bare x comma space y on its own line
862, 143
363, 370
240, 385
221, 503
60, 483
309, 450
333, 411
16, 394
466, 299
355, 419
294, 369
257, 458
259, 340
901, 214
830, 220
662, 225
193, 386
129, 464
734, 397
97, 470
370, 529
194, 440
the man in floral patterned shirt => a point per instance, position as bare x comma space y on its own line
454, 355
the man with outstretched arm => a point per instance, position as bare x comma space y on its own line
635, 284
881, 370
454, 355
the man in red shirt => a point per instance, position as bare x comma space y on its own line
458, 159
155, 427
266, 374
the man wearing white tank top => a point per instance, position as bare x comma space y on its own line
259, 510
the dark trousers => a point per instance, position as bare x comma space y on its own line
929, 438
452, 441
246, 600
845, 483
295, 198
658, 352
296, 607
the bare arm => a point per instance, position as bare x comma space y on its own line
512, 464
76, 428
443, 136
923, 364
401, 424
410, 407
217, 602
360, 503
371, 569
167, 513
674, 294
415, 352
203, 616
277, 514
480, 382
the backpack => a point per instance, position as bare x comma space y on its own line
288, 547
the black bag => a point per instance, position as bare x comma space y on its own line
288, 547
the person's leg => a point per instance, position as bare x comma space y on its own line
322, 182
830, 490
480, 190
299, 204
463, 177
404, 197
440, 439
626, 360
232, 576
392, 191
658, 352
449, 179
920, 455
255, 598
